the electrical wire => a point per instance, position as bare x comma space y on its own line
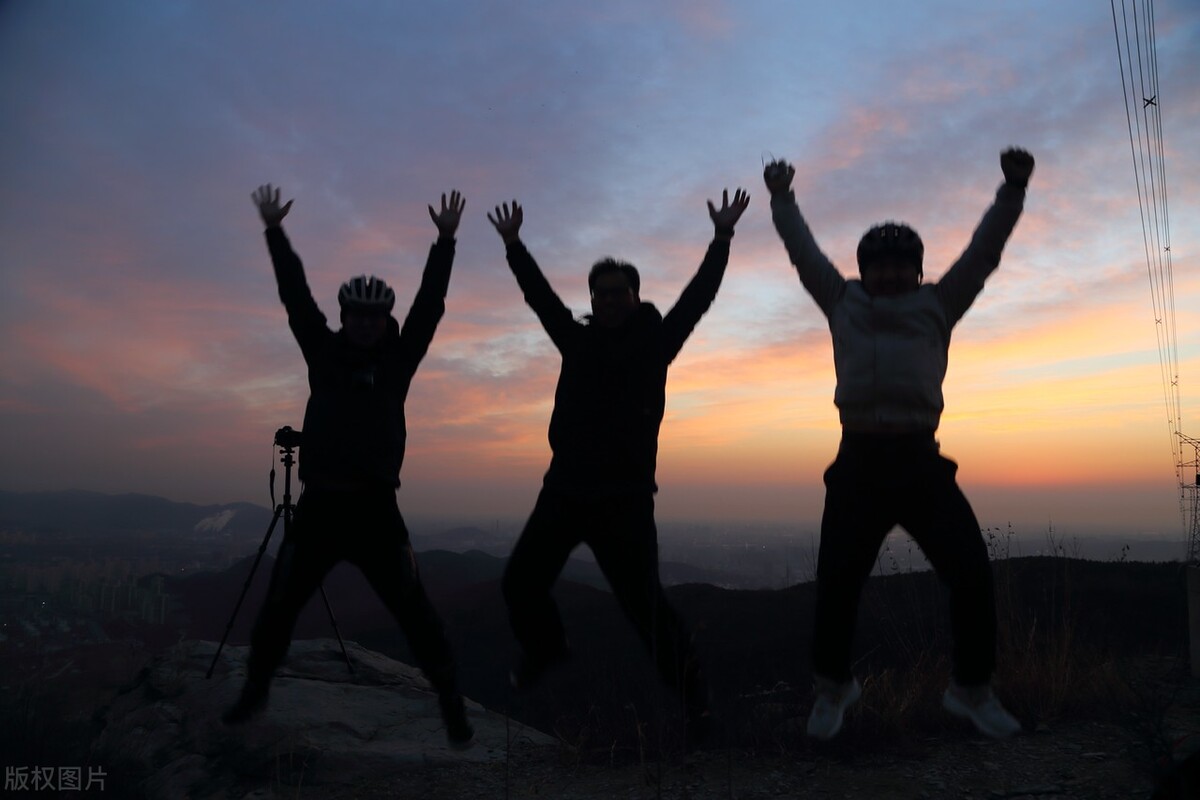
1136, 39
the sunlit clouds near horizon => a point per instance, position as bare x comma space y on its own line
146, 349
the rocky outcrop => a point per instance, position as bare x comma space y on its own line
322, 726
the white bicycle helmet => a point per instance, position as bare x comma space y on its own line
366, 292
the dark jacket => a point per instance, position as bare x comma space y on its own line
612, 388
354, 431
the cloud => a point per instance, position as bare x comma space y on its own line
142, 319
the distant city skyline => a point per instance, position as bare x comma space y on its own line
146, 350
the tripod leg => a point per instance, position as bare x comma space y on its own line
336, 632
262, 548
288, 512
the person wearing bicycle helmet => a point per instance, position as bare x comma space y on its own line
351, 452
891, 337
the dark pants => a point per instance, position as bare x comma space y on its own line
622, 535
875, 483
366, 529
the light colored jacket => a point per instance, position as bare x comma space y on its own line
890, 353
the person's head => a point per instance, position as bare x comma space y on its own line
890, 259
366, 303
614, 286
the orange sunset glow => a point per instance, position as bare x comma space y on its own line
146, 349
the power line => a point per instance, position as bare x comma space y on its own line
1143, 118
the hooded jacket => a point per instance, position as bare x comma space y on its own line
611, 391
890, 353
354, 429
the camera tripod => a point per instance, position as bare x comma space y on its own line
287, 440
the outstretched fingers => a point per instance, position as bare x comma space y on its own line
266, 198
507, 221
262, 194
729, 213
504, 215
457, 202
447, 220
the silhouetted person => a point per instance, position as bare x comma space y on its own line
891, 336
353, 446
600, 487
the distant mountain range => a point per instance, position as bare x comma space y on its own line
95, 516
80, 513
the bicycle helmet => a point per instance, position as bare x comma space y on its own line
890, 239
366, 292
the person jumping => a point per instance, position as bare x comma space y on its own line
891, 337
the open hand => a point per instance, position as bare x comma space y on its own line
727, 215
508, 221
1017, 165
451, 214
267, 199
778, 176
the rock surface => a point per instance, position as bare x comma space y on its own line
327, 735
322, 727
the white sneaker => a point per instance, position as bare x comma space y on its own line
830, 706
979, 704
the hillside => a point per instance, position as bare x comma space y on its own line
1075, 638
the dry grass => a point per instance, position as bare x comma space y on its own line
1050, 668
1047, 669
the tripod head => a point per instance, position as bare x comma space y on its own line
287, 438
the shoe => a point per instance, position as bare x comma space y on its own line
528, 672
459, 733
979, 704
250, 702
829, 708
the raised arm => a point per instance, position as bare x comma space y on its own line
555, 317
430, 302
304, 317
818, 275
963, 282
698, 295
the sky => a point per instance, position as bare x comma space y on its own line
145, 349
